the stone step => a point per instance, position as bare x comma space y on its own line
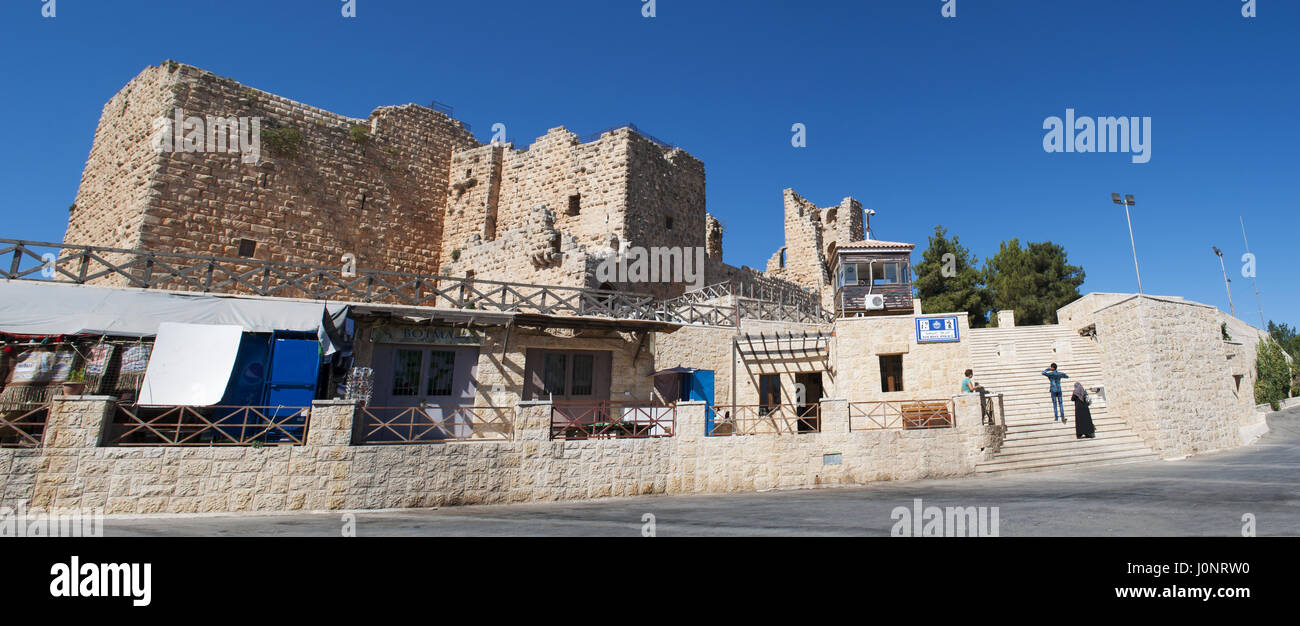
1069, 444
1066, 458
1033, 441
1018, 433
1041, 411
993, 467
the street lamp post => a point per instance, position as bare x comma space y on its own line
1226, 281
1128, 201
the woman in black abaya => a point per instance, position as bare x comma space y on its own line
1082, 414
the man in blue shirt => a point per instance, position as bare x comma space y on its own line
1058, 403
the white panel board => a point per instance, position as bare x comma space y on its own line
190, 364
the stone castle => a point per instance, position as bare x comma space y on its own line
411, 190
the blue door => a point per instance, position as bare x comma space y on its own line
698, 387
291, 381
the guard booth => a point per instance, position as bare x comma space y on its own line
687, 384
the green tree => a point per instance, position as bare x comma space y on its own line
1033, 281
951, 284
1273, 383
1286, 337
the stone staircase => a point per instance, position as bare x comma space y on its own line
1010, 361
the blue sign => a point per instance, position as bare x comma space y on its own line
937, 329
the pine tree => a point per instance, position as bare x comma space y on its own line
1033, 281
951, 284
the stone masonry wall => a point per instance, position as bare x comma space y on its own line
619, 190
809, 233
122, 171
409, 189
380, 199
1167, 372
329, 474
931, 371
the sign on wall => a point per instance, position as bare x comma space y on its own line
937, 329
426, 335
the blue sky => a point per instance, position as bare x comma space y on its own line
924, 119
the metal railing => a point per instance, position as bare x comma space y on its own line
757, 419
145, 426
612, 421
590, 137
902, 414
993, 409
434, 424
22, 425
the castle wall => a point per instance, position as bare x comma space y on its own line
619, 190
329, 474
380, 199
810, 232
121, 175
410, 190
1168, 372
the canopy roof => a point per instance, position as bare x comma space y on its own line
46, 308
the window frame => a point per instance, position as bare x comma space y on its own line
887, 367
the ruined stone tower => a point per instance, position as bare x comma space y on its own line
810, 232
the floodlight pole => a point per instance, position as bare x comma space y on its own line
1128, 202
1226, 281
1258, 301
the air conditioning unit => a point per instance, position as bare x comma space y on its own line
875, 302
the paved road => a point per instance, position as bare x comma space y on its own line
1203, 496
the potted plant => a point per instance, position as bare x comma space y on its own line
76, 383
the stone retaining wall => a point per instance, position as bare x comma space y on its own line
1168, 372
328, 473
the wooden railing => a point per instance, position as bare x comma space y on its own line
902, 414
434, 424
612, 421
23, 425
75, 264
144, 426
756, 419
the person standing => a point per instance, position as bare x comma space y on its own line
1058, 405
1083, 427
970, 386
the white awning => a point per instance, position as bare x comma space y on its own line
47, 308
